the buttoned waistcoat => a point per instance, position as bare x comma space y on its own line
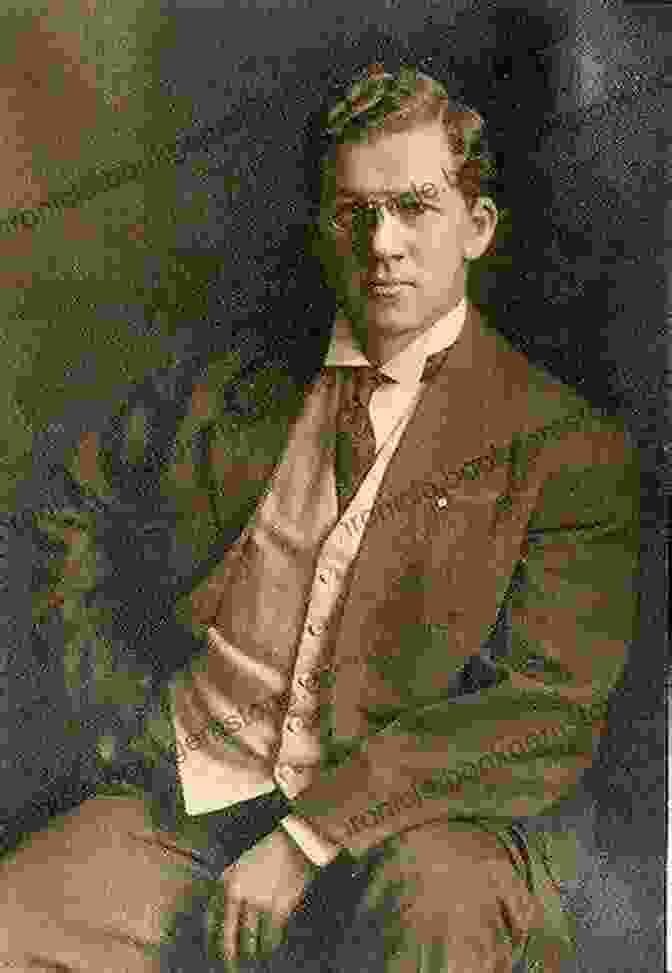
490, 606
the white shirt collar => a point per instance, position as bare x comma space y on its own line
407, 366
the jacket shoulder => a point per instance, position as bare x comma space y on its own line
538, 399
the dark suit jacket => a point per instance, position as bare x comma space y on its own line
492, 599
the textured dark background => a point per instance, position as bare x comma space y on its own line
184, 258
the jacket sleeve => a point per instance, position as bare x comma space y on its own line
517, 748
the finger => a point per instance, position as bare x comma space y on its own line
272, 932
227, 938
228, 965
248, 931
214, 922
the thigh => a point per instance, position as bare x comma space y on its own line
91, 890
451, 897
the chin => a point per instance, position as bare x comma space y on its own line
392, 324
394, 317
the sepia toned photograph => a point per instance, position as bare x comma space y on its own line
335, 471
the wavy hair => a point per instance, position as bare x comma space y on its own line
378, 102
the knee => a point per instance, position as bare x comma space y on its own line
445, 875
98, 867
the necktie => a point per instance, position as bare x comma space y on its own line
355, 439
433, 364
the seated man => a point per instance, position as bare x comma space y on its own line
382, 599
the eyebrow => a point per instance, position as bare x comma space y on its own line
427, 189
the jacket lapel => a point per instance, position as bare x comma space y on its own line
451, 425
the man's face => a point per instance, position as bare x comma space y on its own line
422, 239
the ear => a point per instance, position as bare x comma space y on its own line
483, 218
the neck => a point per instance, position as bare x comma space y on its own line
380, 348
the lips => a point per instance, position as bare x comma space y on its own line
388, 290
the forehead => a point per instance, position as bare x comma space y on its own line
391, 162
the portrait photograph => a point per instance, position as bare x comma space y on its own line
335, 477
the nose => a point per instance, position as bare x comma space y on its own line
386, 238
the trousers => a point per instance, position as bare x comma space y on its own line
119, 884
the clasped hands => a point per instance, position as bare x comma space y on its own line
247, 916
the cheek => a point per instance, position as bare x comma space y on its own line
438, 249
447, 242
432, 252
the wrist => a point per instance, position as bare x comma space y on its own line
345, 859
319, 850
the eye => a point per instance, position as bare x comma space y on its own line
366, 214
348, 215
343, 217
409, 206
409, 203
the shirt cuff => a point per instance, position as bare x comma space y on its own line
320, 850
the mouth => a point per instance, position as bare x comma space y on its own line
387, 289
